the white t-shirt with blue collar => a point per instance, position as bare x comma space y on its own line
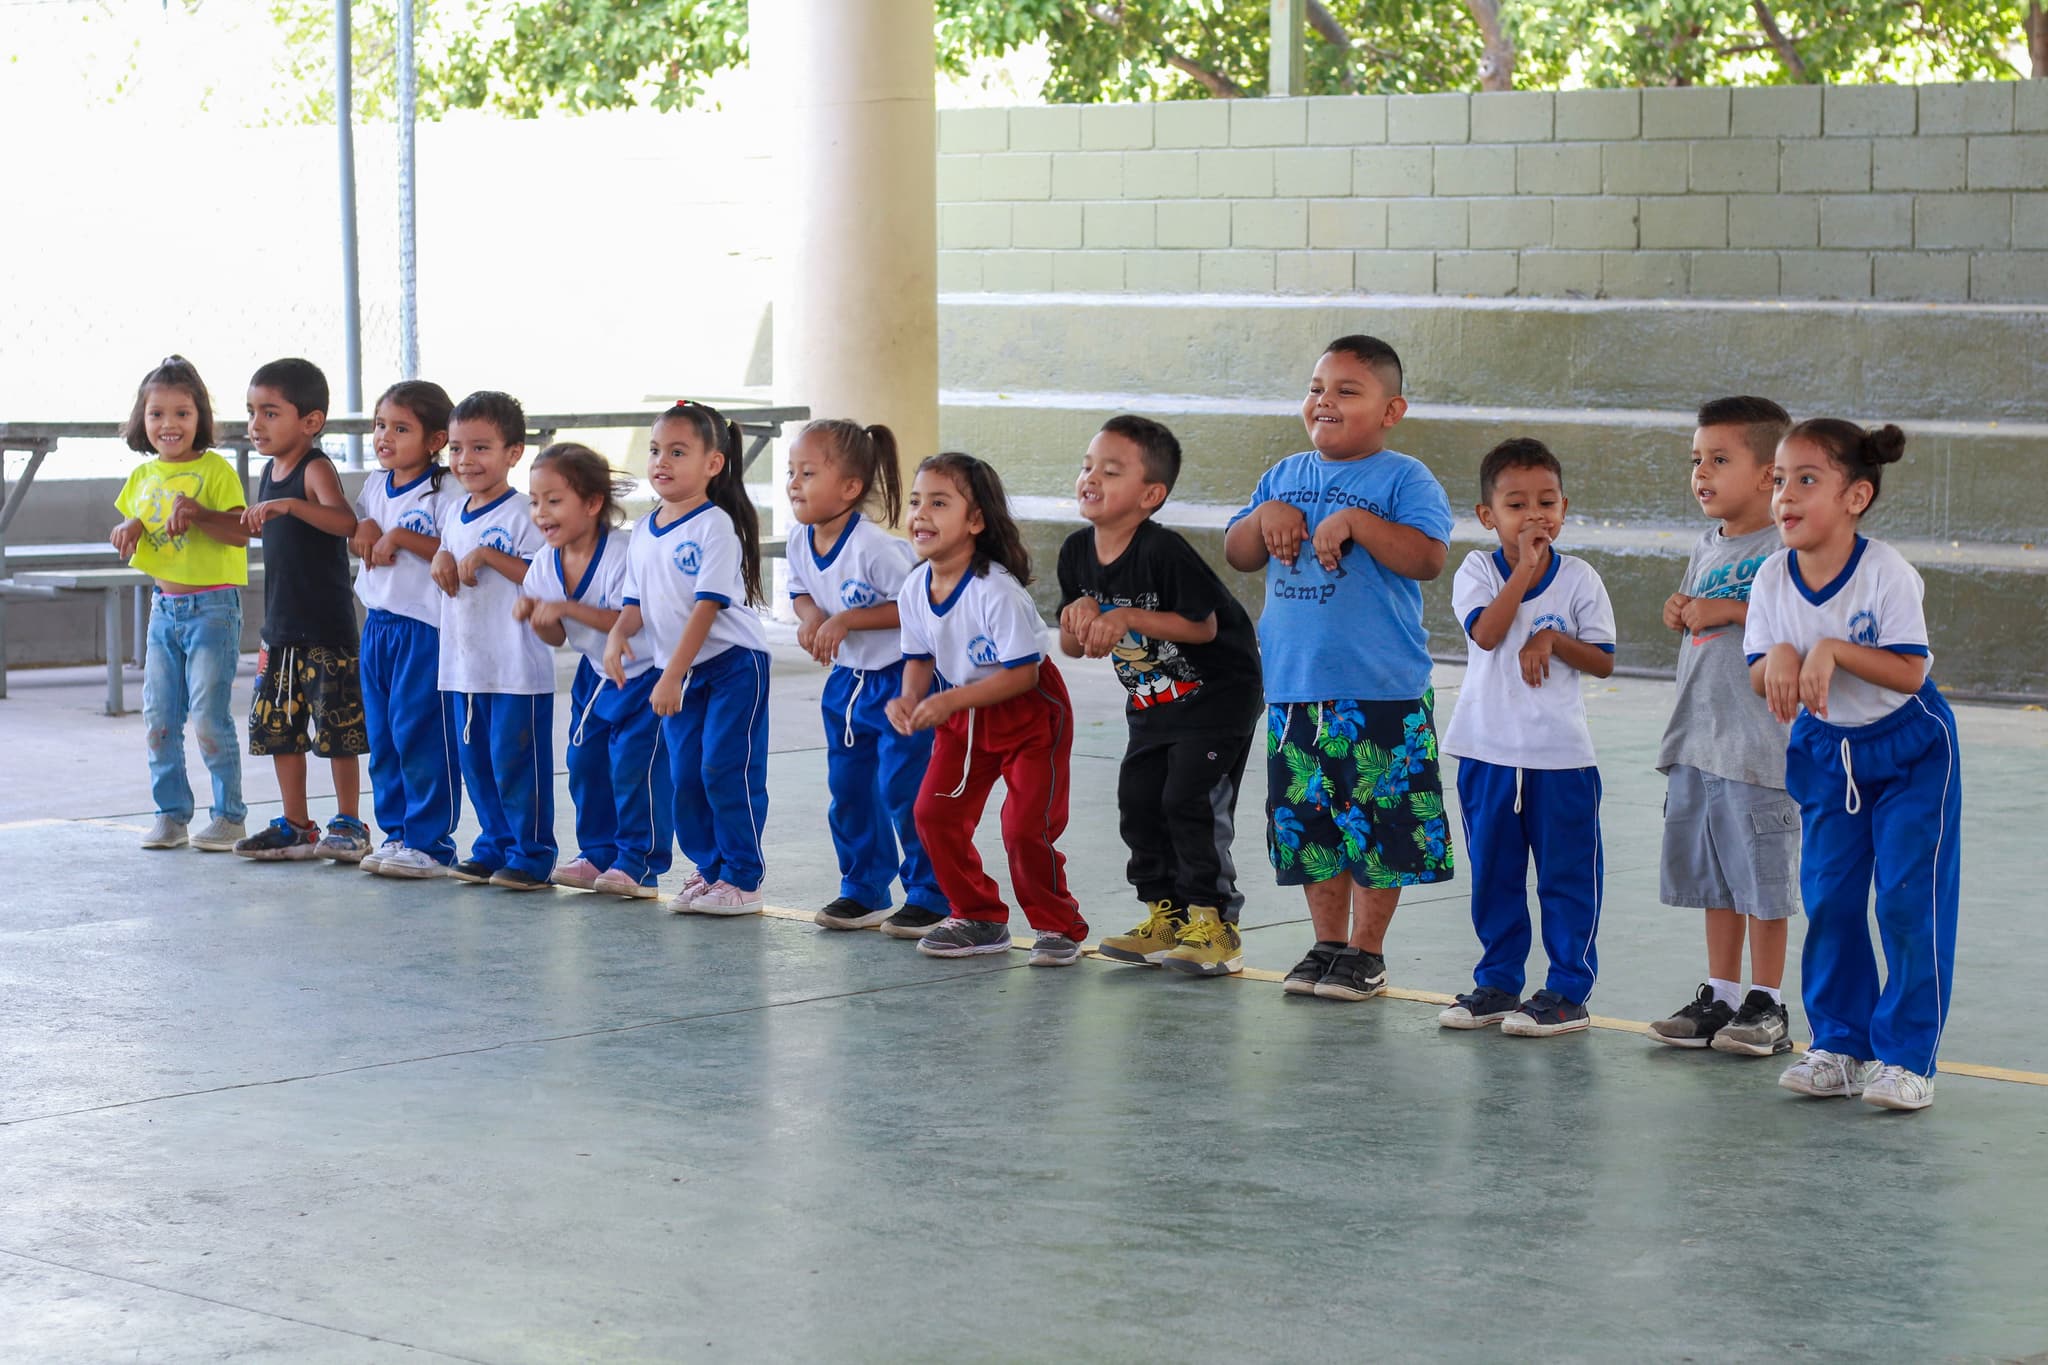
1355, 633
406, 586
864, 568
483, 648
1499, 717
986, 624
602, 585
673, 567
1875, 600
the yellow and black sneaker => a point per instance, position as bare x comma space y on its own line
1151, 941
1208, 945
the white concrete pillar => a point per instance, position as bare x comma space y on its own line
856, 316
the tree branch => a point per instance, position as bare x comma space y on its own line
1215, 82
1330, 31
1788, 52
1497, 61
2036, 25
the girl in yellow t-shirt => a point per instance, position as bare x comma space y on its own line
183, 528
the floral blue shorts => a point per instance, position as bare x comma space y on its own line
1353, 787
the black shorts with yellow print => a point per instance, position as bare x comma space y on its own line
309, 700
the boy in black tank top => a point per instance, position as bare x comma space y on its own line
308, 697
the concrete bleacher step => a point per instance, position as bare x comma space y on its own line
1986, 605
1960, 482
1869, 360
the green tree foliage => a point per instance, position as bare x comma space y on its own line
524, 56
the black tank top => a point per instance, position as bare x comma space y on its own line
308, 598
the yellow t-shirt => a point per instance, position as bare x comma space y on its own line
194, 558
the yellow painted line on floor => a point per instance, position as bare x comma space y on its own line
1599, 1021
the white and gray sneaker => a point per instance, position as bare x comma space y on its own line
1761, 1028
409, 863
1054, 950
164, 832
965, 938
375, 858
1894, 1087
220, 835
1824, 1075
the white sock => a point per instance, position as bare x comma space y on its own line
1777, 996
1728, 993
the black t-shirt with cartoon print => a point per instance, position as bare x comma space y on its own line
1173, 687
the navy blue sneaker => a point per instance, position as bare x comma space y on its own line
1486, 1005
1545, 1013
281, 841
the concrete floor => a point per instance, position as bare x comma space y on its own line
291, 1112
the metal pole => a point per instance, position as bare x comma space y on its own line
408, 263
1285, 76
351, 285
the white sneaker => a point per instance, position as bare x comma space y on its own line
684, 902
723, 898
1894, 1087
375, 858
220, 836
409, 863
164, 832
580, 875
1824, 1074
616, 883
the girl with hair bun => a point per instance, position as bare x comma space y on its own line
1837, 645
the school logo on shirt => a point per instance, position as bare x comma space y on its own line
854, 593
499, 539
419, 521
689, 556
1549, 620
1863, 628
982, 652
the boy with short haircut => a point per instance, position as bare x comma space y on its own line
1731, 833
1534, 621
1139, 594
1346, 532
308, 695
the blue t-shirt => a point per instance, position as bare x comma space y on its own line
1356, 633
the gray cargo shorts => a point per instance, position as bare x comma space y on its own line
1729, 846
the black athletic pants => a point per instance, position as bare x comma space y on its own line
1177, 801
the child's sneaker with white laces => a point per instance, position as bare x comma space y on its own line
410, 864
1825, 1075
375, 859
684, 902
723, 898
613, 882
580, 875
1894, 1087
1054, 950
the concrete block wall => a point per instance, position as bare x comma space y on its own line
1931, 193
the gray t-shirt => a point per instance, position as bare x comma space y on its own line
1720, 725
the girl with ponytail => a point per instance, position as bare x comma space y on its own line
845, 570
1837, 644
693, 576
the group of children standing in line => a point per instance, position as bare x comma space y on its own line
938, 686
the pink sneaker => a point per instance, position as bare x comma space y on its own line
580, 875
617, 883
684, 902
723, 898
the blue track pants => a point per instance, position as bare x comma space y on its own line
718, 756
874, 774
508, 762
1554, 814
619, 776
415, 759
1880, 803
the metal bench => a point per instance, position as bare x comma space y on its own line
109, 584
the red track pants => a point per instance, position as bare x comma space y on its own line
1028, 741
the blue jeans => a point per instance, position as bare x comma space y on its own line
195, 641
